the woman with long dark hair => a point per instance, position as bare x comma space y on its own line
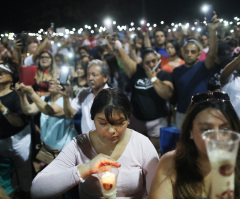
186, 171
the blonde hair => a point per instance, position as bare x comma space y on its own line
40, 76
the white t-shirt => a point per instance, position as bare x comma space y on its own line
83, 102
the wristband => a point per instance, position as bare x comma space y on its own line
6, 112
79, 175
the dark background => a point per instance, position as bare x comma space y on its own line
32, 15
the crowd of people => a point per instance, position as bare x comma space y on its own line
119, 91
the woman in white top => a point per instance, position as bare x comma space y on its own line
111, 143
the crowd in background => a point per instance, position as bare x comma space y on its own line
47, 115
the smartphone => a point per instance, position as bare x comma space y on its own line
209, 14
27, 75
156, 66
23, 36
64, 73
52, 26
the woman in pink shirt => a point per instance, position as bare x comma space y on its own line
111, 143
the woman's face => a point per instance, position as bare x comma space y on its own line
5, 76
150, 60
80, 71
207, 119
171, 51
111, 133
45, 61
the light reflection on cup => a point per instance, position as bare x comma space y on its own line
107, 176
222, 149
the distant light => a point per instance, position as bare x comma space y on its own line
142, 21
154, 25
193, 28
199, 29
92, 31
169, 30
95, 25
172, 24
73, 29
162, 22
114, 22
132, 24
59, 44
205, 8
148, 24
231, 22
174, 29
86, 26
231, 31
150, 28
132, 36
108, 22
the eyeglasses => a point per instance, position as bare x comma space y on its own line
4, 73
202, 97
43, 57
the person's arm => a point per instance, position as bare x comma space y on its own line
151, 160
65, 91
39, 104
129, 65
146, 40
228, 70
63, 173
13, 118
213, 43
41, 47
163, 88
162, 184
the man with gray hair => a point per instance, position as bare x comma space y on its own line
97, 77
193, 76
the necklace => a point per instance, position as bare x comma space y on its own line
100, 140
111, 150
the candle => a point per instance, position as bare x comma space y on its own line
108, 179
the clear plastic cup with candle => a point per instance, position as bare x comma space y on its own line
108, 179
222, 149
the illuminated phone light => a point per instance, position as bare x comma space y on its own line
231, 22
176, 26
86, 26
92, 31
169, 30
142, 21
199, 29
64, 69
180, 24
154, 25
174, 29
95, 25
162, 22
231, 31
238, 23
148, 24
193, 28
139, 28
114, 22
70, 55
132, 24
150, 28
195, 23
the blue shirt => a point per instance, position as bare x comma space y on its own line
56, 132
188, 81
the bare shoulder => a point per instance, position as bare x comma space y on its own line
166, 164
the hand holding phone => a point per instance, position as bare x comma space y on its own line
156, 66
64, 73
209, 14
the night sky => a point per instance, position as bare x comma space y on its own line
32, 15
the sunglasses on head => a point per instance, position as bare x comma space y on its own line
202, 97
